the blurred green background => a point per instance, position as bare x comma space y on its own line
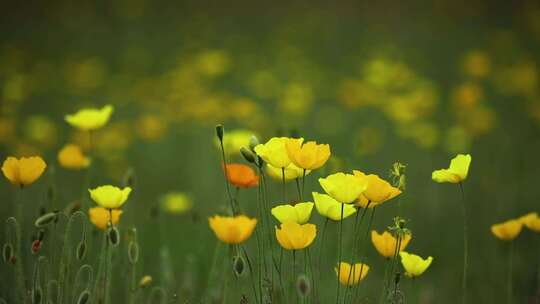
415, 82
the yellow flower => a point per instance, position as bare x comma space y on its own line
378, 190
345, 188
23, 171
90, 119
386, 243
531, 221
72, 157
274, 152
456, 173
234, 140
109, 197
145, 281
293, 236
100, 217
232, 230
176, 202
414, 265
351, 275
299, 213
309, 155
330, 208
507, 231
291, 172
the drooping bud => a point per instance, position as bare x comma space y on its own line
45, 219
238, 265
114, 236
81, 250
248, 155
303, 285
7, 252
84, 297
145, 281
133, 252
219, 132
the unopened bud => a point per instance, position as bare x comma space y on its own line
238, 265
114, 236
219, 132
84, 297
7, 252
133, 252
303, 285
253, 142
145, 281
81, 250
45, 219
248, 155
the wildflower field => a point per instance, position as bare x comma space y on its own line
263, 152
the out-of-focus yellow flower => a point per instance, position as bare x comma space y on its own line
212, 62
100, 217
151, 127
386, 243
330, 208
176, 202
456, 173
109, 197
350, 275
345, 188
531, 221
476, 63
71, 157
274, 152
90, 118
309, 156
299, 213
23, 171
414, 265
291, 172
467, 95
507, 231
41, 129
145, 281
234, 140
297, 99
378, 190
232, 230
293, 236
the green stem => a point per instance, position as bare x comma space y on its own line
358, 286
284, 189
321, 245
226, 174
300, 198
293, 277
16, 242
510, 272
465, 246
339, 252
250, 273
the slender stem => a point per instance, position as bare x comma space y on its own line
465, 246
358, 286
303, 181
510, 272
226, 173
298, 189
250, 273
339, 252
320, 250
312, 278
284, 190
385, 280
294, 276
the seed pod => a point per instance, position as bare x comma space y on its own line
248, 155
133, 252
45, 219
253, 142
219, 132
303, 285
37, 295
81, 250
114, 236
36, 246
238, 265
7, 252
84, 297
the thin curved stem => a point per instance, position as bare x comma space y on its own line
465, 246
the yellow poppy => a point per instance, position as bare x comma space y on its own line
23, 171
293, 236
309, 155
72, 157
456, 173
378, 190
274, 152
291, 172
507, 231
330, 208
109, 197
232, 230
176, 202
100, 217
386, 243
90, 118
299, 213
414, 265
350, 275
345, 188
531, 221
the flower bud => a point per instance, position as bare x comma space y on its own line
303, 285
253, 142
114, 236
238, 265
36, 246
7, 252
145, 281
133, 252
45, 219
81, 250
219, 132
84, 297
248, 155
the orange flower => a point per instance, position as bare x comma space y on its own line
241, 176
